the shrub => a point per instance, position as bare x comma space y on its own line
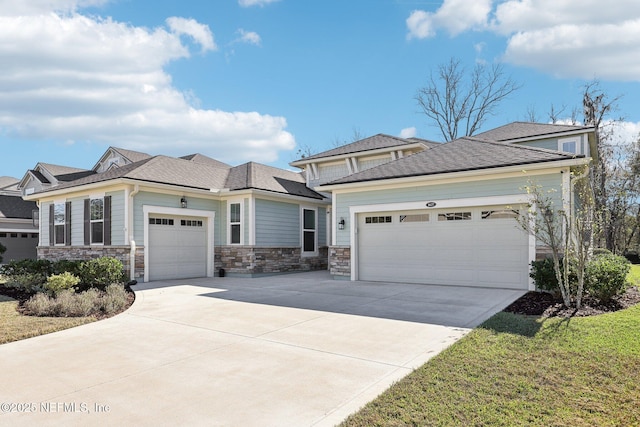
606, 276
101, 272
29, 282
115, 299
544, 275
601, 251
65, 265
59, 282
27, 266
40, 305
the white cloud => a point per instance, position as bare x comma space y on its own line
454, 16
198, 32
249, 37
78, 78
571, 38
35, 7
408, 132
249, 3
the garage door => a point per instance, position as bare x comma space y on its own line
177, 247
462, 246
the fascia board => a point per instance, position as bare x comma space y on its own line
304, 162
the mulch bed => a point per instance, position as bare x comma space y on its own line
546, 305
22, 296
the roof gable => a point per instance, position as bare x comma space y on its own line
463, 154
520, 130
375, 142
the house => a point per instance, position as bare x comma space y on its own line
18, 232
381, 209
444, 213
169, 218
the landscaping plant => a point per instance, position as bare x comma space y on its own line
60, 282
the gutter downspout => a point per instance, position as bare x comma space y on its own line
132, 243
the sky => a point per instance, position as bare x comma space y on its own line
260, 80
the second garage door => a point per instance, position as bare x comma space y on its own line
177, 247
463, 246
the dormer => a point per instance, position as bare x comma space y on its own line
358, 156
46, 175
574, 139
117, 157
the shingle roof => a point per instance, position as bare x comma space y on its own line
371, 143
200, 158
464, 154
263, 177
56, 170
187, 173
517, 130
15, 207
8, 181
133, 156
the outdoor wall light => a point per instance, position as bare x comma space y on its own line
183, 202
341, 224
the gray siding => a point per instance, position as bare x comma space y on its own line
322, 227
44, 222
372, 163
117, 217
277, 223
330, 173
552, 143
495, 187
170, 201
77, 221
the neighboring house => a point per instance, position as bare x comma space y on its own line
446, 214
18, 231
169, 218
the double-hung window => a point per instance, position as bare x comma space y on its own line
97, 220
309, 231
235, 223
59, 222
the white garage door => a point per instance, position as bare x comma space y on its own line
462, 246
177, 247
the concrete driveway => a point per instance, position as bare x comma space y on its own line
297, 350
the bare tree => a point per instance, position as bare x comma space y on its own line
459, 103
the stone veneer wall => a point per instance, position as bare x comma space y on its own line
56, 253
253, 260
340, 260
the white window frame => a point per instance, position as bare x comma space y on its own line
239, 223
308, 230
57, 223
576, 140
92, 221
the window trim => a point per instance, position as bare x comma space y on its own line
62, 223
240, 223
95, 221
576, 139
309, 230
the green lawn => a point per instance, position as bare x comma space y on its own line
14, 326
634, 275
524, 371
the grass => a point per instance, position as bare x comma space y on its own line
520, 370
14, 326
634, 275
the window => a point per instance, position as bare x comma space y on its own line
415, 218
97, 220
190, 223
308, 230
3, 234
570, 145
59, 223
500, 214
377, 219
235, 223
454, 216
161, 221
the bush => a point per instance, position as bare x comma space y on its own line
115, 299
601, 251
65, 265
59, 282
606, 276
27, 266
29, 282
70, 304
101, 272
544, 276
